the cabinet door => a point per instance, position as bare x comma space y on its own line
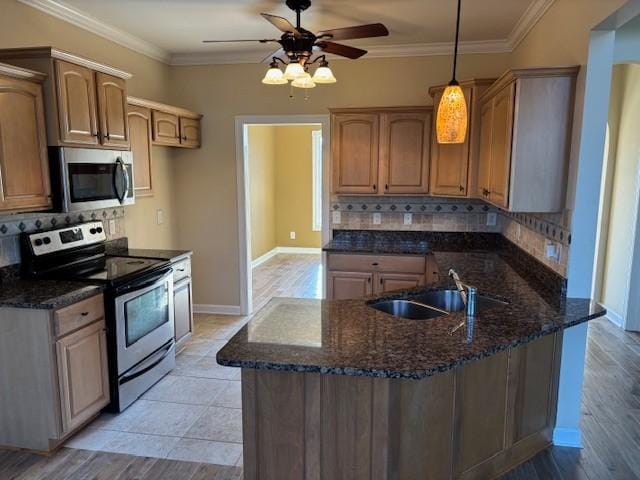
348, 285
388, 282
355, 153
502, 127
405, 143
140, 138
77, 110
112, 108
484, 156
182, 308
450, 162
166, 128
24, 167
83, 374
189, 132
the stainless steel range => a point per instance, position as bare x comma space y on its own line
138, 302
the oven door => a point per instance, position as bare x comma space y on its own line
144, 318
94, 179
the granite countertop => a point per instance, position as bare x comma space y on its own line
44, 294
347, 337
170, 255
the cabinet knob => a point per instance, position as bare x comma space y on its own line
369, 279
461, 188
375, 264
84, 314
184, 137
374, 187
95, 134
107, 136
386, 187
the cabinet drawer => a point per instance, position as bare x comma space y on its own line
181, 269
78, 315
377, 263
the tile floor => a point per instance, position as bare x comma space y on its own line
194, 413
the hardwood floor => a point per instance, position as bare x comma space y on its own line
611, 431
287, 275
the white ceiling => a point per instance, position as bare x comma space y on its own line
173, 30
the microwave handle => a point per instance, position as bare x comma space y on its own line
121, 167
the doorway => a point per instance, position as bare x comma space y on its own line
283, 205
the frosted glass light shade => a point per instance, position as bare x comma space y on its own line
303, 82
293, 71
451, 120
324, 75
274, 76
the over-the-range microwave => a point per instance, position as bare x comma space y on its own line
88, 179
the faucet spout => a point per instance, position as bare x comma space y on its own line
468, 295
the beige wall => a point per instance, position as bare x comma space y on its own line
261, 150
206, 184
23, 26
623, 203
294, 187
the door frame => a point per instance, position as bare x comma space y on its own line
243, 200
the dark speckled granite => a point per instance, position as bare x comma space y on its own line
347, 337
120, 247
44, 294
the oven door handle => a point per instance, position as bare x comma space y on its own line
148, 364
146, 282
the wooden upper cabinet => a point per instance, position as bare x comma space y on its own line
24, 167
189, 132
166, 128
141, 149
77, 111
112, 109
527, 118
355, 153
405, 142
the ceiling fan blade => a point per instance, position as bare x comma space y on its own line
264, 40
360, 31
342, 50
281, 23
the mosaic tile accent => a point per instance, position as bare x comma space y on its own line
549, 226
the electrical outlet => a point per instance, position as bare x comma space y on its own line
336, 217
292, 235
112, 227
160, 216
377, 218
518, 232
408, 218
553, 251
492, 219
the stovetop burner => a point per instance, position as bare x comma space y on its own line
113, 269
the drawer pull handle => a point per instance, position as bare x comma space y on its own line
375, 264
181, 269
84, 314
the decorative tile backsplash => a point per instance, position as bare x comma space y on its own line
11, 226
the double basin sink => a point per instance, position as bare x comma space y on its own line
433, 304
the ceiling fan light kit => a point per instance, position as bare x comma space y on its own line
451, 119
299, 46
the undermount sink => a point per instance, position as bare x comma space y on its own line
432, 304
451, 301
407, 309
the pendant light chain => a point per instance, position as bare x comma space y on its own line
455, 53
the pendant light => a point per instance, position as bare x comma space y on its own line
451, 120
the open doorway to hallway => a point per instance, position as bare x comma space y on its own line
285, 196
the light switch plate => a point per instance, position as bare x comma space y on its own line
408, 218
336, 217
292, 235
160, 216
377, 218
492, 219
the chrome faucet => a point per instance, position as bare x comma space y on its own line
468, 295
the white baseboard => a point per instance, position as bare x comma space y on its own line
272, 253
216, 309
567, 437
614, 317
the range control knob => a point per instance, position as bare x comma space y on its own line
46, 240
37, 242
99, 229
92, 231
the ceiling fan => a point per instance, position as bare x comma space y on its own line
299, 45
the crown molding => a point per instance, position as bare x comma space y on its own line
527, 21
80, 19
532, 15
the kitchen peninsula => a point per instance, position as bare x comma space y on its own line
337, 389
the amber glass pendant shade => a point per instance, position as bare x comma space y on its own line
451, 119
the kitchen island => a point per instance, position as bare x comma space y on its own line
340, 390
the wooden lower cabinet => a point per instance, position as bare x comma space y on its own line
355, 276
83, 374
473, 422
